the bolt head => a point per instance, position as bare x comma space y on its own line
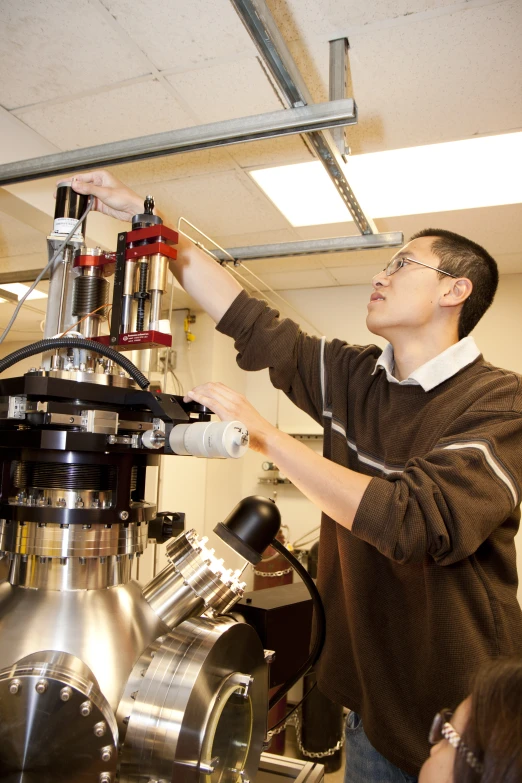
66, 693
14, 687
100, 728
41, 686
105, 777
85, 709
124, 515
106, 753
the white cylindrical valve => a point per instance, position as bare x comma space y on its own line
210, 439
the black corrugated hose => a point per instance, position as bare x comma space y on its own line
75, 342
320, 623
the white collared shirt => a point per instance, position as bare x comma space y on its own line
437, 370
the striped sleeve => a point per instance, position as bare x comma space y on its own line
446, 503
296, 361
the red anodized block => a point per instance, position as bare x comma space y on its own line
130, 341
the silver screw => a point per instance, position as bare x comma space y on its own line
100, 728
66, 693
124, 515
14, 687
41, 686
105, 777
85, 709
106, 753
111, 440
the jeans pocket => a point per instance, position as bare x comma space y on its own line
353, 723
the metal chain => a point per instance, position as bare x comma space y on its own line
273, 573
309, 753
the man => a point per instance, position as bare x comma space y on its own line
419, 484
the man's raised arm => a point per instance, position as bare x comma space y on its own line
210, 284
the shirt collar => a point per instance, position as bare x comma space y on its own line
437, 370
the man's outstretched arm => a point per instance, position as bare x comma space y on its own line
336, 490
210, 284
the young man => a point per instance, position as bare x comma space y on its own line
419, 484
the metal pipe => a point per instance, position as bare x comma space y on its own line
263, 30
311, 246
216, 134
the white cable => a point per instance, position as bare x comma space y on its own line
48, 266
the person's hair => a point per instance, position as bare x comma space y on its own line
494, 728
462, 257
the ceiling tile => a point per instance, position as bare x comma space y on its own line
180, 35
218, 204
122, 113
171, 167
464, 56
227, 90
279, 151
53, 49
17, 239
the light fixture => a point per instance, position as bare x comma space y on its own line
19, 289
468, 174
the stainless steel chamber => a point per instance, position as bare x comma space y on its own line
100, 679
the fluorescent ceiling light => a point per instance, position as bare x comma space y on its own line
19, 289
467, 174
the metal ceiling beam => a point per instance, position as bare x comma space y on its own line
305, 247
263, 30
337, 86
308, 247
216, 134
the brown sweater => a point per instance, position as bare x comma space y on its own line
423, 589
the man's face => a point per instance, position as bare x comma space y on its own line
407, 300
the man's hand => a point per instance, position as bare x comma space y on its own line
231, 406
112, 197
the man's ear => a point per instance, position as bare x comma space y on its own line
457, 293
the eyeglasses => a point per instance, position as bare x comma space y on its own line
441, 729
397, 263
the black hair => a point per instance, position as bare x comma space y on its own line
462, 257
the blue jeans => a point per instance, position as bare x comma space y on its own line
363, 763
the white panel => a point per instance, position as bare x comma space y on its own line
182, 35
218, 204
51, 49
228, 90
123, 113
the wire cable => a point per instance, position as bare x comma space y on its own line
320, 624
74, 342
48, 266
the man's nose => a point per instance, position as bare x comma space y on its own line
379, 279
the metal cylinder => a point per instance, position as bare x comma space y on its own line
158, 265
129, 287
171, 598
68, 208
